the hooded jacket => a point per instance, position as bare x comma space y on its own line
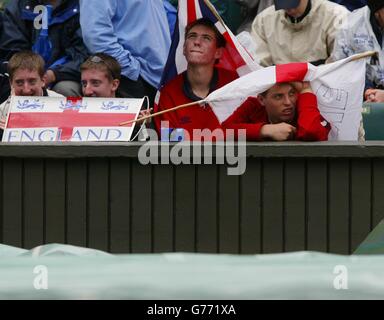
68, 49
280, 40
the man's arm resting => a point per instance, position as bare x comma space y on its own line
311, 126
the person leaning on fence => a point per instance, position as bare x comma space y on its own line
304, 31
364, 32
203, 48
26, 75
287, 111
67, 48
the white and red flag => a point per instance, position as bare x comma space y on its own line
339, 88
36, 119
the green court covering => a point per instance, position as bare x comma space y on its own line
374, 243
81, 273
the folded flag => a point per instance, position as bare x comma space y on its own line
339, 88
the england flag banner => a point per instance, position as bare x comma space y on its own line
339, 88
38, 119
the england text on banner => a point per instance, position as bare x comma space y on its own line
37, 119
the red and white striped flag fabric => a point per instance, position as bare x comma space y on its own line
37, 119
235, 56
339, 88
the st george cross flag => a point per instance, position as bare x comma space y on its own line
235, 57
37, 119
339, 88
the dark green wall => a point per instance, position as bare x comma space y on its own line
293, 196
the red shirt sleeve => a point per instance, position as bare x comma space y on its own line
311, 126
165, 102
250, 116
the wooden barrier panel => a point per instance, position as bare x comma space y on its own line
293, 196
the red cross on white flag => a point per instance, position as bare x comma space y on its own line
37, 119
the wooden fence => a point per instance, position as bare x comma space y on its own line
292, 196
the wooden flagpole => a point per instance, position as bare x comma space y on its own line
364, 55
162, 112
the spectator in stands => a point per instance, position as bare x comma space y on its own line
26, 73
136, 34
351, 4
287, 111
364, 32
100, 76
304, 31
68, 50
203, 48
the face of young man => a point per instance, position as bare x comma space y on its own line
280, 103
95, 83
200, 47
27, 83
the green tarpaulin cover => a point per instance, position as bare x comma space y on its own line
374, 243
81, 273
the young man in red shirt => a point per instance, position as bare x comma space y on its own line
203, 48
287, 111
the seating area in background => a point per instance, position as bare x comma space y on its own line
3, 4
373, 115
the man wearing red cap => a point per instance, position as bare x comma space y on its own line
364, 32
297, 31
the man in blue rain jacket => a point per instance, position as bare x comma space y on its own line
136, 33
